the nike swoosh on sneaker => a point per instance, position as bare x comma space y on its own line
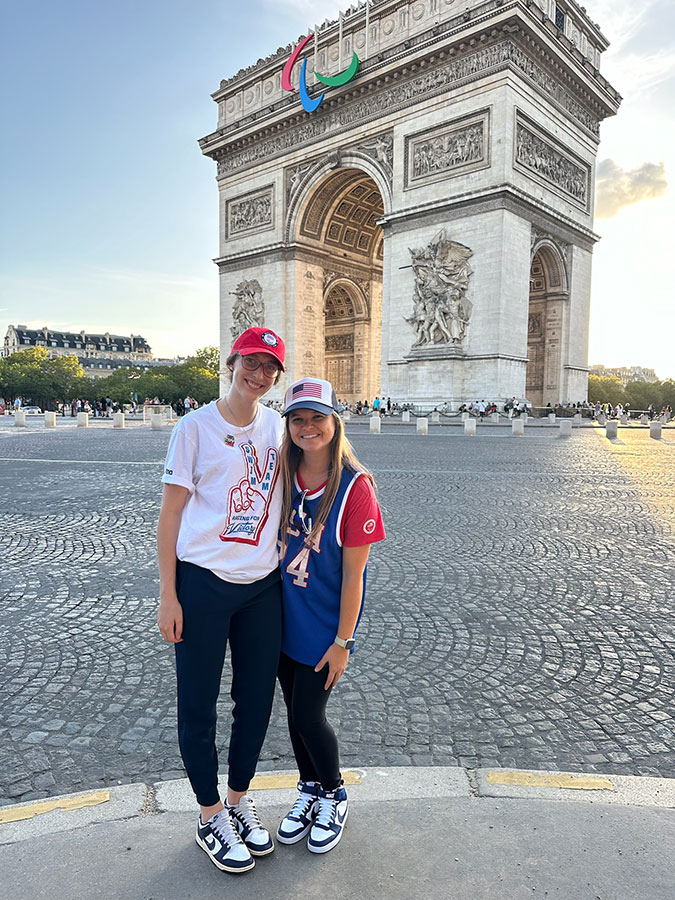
340, 818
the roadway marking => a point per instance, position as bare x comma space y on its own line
533, 779
274, 782
18, 813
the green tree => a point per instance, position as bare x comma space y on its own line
640, 394
206, 358
605, 390
33, 376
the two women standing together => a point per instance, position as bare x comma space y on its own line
237, 485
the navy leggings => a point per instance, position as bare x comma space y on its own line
314, 743
249, 616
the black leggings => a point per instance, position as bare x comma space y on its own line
314, 742
248, 616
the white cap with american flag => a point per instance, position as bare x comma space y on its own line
311, 393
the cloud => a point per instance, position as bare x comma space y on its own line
616, 187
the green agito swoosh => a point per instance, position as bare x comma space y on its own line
343, 77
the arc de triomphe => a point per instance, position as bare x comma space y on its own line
426, 232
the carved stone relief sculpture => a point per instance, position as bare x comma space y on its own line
248, 310
249, 213
381, 149
442, 152
535, 154
441, 310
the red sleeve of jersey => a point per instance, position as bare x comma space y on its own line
362, 519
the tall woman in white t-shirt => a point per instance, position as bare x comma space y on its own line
220, 583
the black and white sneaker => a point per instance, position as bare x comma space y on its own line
331, 815
247, 822
220, 840
300, 817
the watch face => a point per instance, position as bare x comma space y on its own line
350, 643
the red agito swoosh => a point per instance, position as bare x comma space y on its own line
288, 68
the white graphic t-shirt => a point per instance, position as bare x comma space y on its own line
231, 517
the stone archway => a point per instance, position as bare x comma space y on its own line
546, 323
338, 277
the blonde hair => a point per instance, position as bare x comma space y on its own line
342, 456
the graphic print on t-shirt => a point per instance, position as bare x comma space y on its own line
248, 501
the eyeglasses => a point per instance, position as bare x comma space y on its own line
251, 364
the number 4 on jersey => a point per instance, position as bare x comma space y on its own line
297, 567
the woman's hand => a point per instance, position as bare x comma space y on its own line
170, 620
336, 658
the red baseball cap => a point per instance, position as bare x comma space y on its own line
260, 340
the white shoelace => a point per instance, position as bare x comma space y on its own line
246, 811
326, 814
301, 806
223, 828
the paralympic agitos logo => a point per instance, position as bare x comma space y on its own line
331, 80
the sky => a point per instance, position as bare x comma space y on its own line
110, 211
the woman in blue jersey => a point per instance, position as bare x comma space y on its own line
330, 517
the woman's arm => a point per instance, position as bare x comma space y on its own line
170, 615
354, 561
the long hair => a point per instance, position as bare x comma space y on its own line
342, 456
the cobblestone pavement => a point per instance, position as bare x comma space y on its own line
519, 614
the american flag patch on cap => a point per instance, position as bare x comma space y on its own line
307, 389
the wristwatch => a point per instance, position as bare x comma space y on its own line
349, 644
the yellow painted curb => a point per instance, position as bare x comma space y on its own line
273, 782
17, 813
532, 779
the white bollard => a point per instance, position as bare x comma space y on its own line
345, 415
156, 423
435, 417
518, 426
566, 428
612, 428
83, 420
405, 416
465, 416
624, 419
655, 430
576, 418
551, 418
644, 419
494, 417
50, 419
470, 426
423, 426
601, 419
20, 418
118, 420
375, 424
524, 418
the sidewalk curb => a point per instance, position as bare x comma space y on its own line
373, 784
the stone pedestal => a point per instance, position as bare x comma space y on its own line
83, 420
551, 418
601, 419
566, 428
470, 426
423, 426
655, 430
156, 422
612, 428
20, 417
50, 420
644, 419
118, 420
576, 418
518, 427
624, 419
494, 417
346, 416
465, 416
523, 418
405, 416
435, 417
375, 424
